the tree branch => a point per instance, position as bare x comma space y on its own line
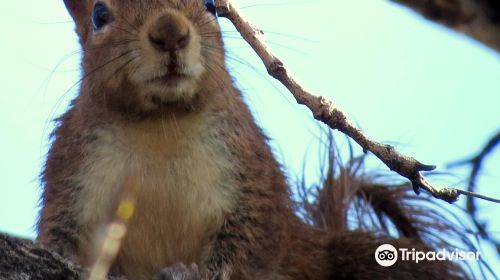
22, 259
326, 111
479, 19
476, 165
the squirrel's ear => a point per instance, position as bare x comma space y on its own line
78, 9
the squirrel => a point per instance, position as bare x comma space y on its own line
155, 96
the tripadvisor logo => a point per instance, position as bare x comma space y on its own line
386, 255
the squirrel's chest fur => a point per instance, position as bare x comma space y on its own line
183, 194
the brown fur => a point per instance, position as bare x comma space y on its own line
211, 191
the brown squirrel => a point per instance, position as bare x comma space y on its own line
156, 96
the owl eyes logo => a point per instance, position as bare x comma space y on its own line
386, 255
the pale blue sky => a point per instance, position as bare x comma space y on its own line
401, 78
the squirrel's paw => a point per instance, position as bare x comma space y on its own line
182, 272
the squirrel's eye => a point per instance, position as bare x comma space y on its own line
101, 16
210, 5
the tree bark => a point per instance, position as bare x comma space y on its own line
22, 259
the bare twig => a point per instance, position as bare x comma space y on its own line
326, 111
476, 165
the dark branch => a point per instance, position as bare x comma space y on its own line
479, 19
22, 259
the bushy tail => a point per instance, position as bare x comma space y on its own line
354, 203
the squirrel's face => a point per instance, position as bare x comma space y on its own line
144, 54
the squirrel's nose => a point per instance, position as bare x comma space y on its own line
169, 33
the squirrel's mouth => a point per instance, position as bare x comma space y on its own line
169, 85
168, 79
